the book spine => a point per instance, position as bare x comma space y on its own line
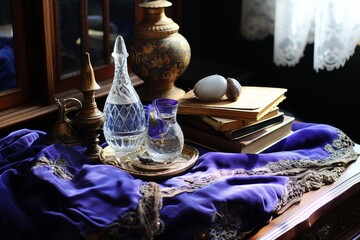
236, 134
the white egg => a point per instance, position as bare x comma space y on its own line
210, 88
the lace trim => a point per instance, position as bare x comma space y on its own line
58, 167
226, 222
149, 209
291, 195
121, 229
146, 219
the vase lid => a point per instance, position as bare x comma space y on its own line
155, 4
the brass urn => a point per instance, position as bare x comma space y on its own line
158, 53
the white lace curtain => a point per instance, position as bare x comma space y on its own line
333, 26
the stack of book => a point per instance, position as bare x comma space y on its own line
250, 124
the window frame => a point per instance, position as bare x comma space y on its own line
21, 93
32, 102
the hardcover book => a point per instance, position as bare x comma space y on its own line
196, 121
253, 104
244, 131
228, 124
252, 143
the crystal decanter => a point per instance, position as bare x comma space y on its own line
125, 123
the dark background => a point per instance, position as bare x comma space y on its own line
213, 32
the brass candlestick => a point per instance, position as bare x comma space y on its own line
90, 119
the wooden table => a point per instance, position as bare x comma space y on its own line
332, 212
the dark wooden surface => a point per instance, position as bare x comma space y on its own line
332, 212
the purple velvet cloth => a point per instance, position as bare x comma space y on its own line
55, 192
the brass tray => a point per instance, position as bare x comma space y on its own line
150, 171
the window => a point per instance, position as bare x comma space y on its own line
48, 40
14, 70
88, 26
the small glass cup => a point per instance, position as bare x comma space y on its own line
164, 141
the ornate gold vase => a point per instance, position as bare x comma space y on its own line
158, 53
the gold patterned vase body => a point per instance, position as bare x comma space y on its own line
158, 53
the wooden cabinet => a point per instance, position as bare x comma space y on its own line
332, 212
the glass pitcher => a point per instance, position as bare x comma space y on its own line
164, 141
